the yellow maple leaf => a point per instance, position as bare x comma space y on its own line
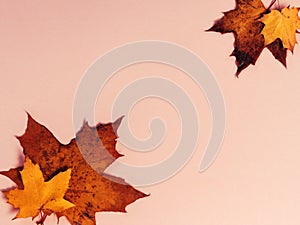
281, 25
39, 195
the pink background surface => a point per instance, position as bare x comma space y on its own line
45, 48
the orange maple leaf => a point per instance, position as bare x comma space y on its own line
281, 24
39, 195
249, 42
89, 191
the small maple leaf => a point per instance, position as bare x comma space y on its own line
39, 195
89, 190
281, 24
249, 42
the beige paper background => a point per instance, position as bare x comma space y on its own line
45, 48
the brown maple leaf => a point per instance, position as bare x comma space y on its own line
249, 42
89, 191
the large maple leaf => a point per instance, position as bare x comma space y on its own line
249, 42
283, 25
39, 195
89, 190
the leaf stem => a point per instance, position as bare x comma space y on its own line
271, 4
42, 219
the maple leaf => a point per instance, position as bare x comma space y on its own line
39, 195
249, 42
90, 191
281, 24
